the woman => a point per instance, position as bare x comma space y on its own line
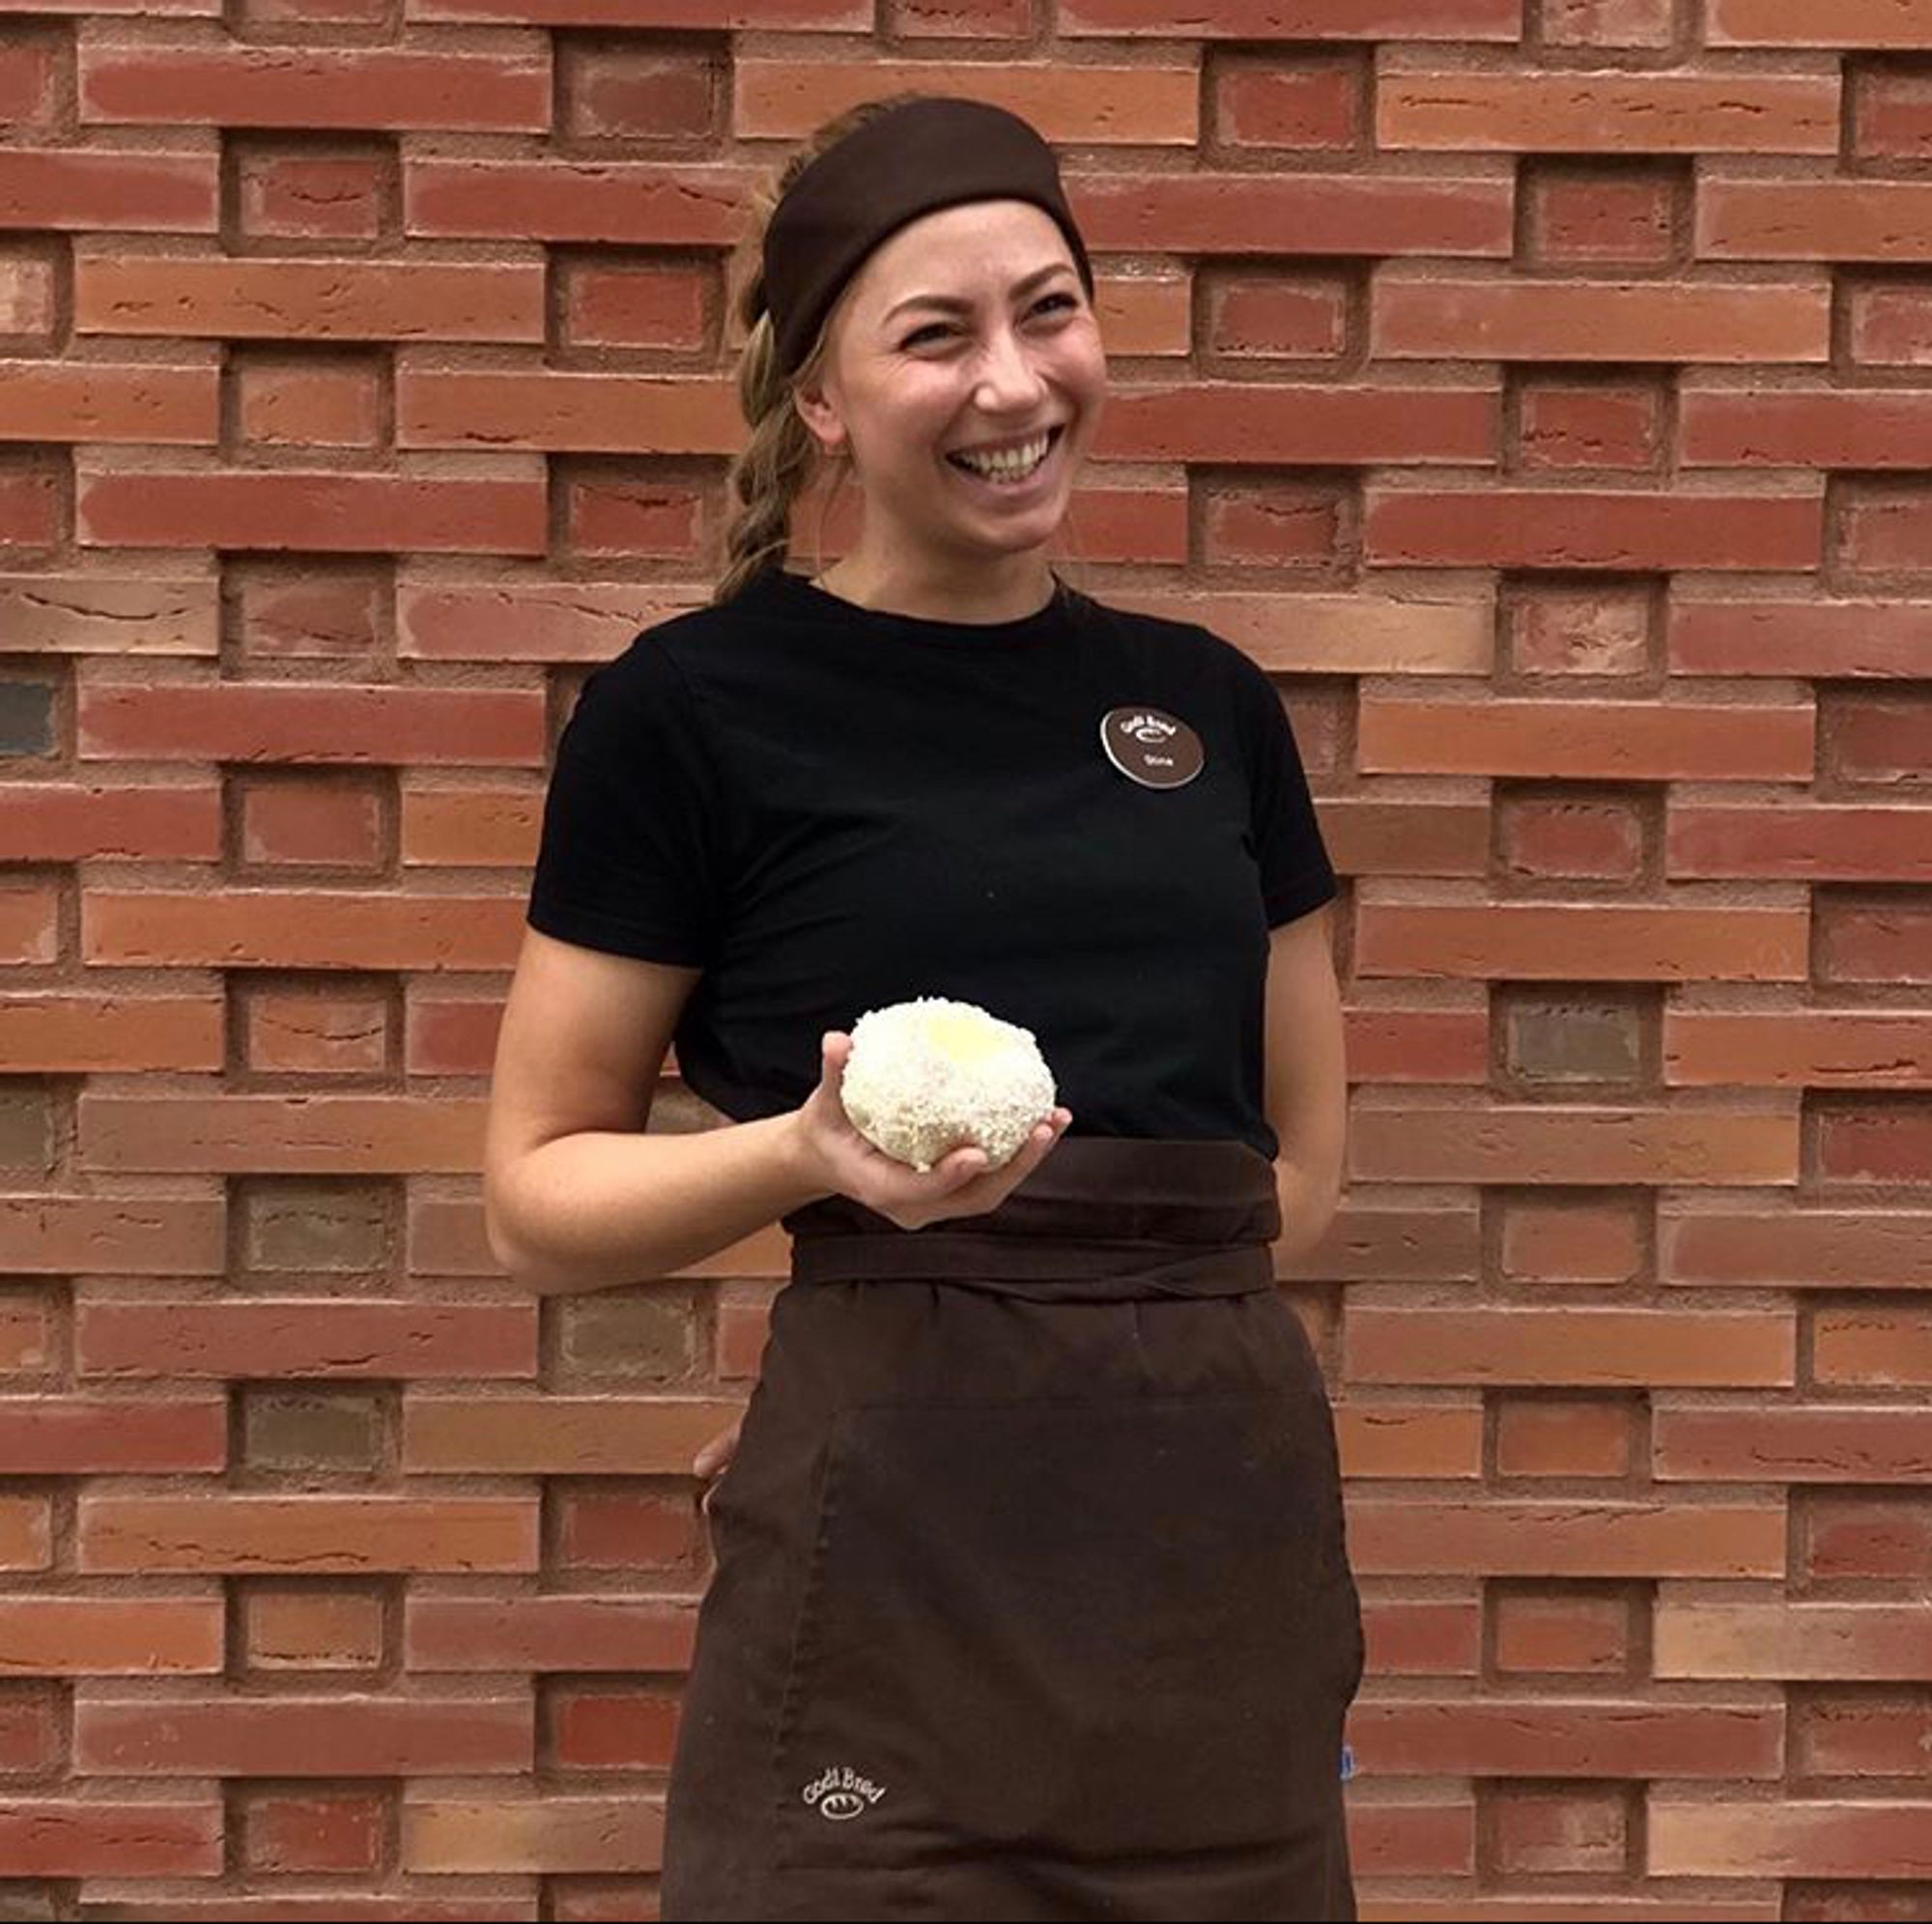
1032, 1596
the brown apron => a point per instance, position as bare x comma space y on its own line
1032, 1594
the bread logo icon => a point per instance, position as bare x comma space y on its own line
1150, 747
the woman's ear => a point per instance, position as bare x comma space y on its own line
821, 417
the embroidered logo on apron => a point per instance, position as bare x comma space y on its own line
842, 1793
1150, 747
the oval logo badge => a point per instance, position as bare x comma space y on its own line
1150, 747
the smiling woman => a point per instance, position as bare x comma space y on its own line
1032, 1596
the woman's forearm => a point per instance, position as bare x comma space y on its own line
1309, 1199
601, 1207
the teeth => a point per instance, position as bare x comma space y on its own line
1018, 462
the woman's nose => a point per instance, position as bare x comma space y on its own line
1008, 369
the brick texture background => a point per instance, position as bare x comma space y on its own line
1542, 389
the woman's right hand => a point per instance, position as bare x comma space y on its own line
960, 1184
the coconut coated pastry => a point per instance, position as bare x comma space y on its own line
927, 1076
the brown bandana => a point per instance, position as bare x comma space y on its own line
930, 153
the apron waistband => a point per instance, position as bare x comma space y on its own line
1102, 1217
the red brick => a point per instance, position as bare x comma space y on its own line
1605, 23
623, 1529
26, 1532
1812, 220
335, 301
548, 1633
1784, 1444
1083, 105
1586, 213
1609, 741
499, 92
1851, 1536
278, 1906
312, 1628
332, 614
1887, 326
1568, 425
297, 193
548, 1834
1581, 942
1301, 105
77, 612
70, 822
1786, 1642
1839, 638
50, 1837
611, 91
282, 1833
1858, 1735
1570, 1438
26, 291
1599, 1346
329, 511
1323, 19
1575, 527
1574, 1537
560, 1435
1522, 1737
1792, 1838
68, 1436
108, 1636
665, 522
1423, 1637
1385, 1439
1417, 1837
1574, 1143
1568, 112
205, 1736
665, 414
612, 1730
1877, 739
98, 401
128, 192
1820, 428
296, 824
314, 1534
32, 496
1875, 1140
1796, 1249
1562, 1633
1558, 1243
1886, 1345
321, 1338
1798, 1048
634, 305
310, 405
638, 202
1552, 1832
1270, 424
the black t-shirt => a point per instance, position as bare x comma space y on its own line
831, 808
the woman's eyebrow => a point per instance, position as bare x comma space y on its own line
954, 305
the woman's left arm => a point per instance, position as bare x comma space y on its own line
1307, 1087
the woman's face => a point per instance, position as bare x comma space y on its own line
967, 331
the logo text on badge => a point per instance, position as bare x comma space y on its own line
1150, 747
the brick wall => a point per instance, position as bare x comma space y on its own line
1538, 387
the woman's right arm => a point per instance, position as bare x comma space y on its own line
577, 1196
597, 1207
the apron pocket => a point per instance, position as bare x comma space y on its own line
1089, 1627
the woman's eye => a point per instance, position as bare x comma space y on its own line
913, 339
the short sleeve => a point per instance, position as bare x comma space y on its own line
1296, 875
626, 861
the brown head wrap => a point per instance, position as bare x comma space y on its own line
910, 160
